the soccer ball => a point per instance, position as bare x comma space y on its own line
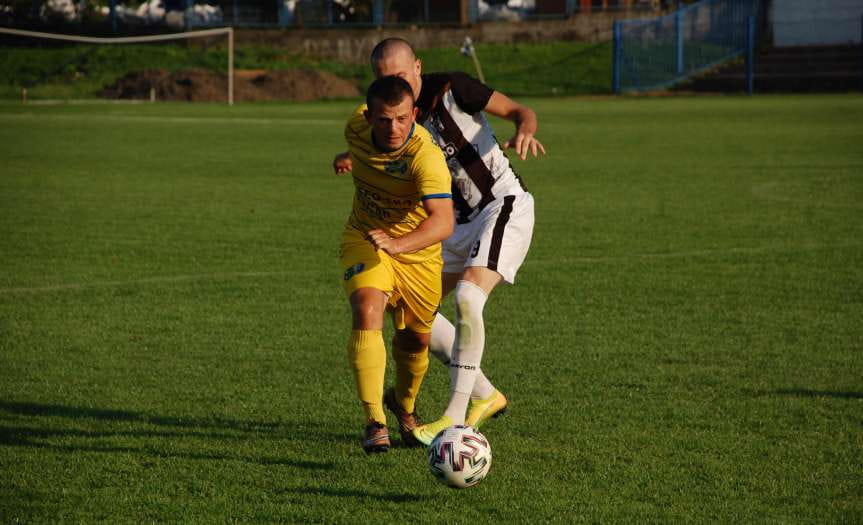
459, 456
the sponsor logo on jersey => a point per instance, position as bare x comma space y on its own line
449, 150
353, 270
396, 167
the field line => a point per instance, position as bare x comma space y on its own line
147, 280
173, 120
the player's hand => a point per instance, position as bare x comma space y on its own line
524, 143
342, 163
382, 241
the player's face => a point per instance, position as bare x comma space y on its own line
391, 125
402, 64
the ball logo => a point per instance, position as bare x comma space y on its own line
459, 456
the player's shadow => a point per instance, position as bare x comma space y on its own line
392, 497
172, 428
804, 392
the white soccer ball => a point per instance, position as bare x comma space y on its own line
459, 456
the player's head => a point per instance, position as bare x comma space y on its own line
391, 111
396, 56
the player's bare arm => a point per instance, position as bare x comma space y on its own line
524, 140
436, 227
342, 163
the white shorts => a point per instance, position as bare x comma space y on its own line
497, 238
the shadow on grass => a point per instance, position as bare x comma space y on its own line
803, 392
346, 493
182, 428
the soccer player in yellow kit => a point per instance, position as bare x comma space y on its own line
391, 253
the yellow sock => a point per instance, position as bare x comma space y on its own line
411, 368
368, 356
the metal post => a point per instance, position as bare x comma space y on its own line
230, 66
678, 25
750, 55
468, 49
615, 69
112, 14
472, 11
285, 16
187, 14
378, 12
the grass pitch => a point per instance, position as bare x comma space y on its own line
683, 343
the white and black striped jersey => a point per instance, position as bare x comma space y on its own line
450, 108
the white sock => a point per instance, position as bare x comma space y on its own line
467, 353
442, 339
441, 344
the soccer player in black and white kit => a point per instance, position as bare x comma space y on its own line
494, 221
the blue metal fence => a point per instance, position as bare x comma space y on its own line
656, 53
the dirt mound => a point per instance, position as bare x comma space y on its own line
199, 85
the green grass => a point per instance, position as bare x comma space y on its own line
76, 72
683, 343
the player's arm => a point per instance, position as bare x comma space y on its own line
342, 163
436, 227
525, 121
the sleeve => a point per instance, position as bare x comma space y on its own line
470, 94
432, 174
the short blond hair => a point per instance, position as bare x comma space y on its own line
389, 45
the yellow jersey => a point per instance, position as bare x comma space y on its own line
390, 186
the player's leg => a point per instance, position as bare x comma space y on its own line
470, 296
367, 355
457, 250
441, 345
506, 230
418, 287
502, 248
410, 354
367, 280
443, 332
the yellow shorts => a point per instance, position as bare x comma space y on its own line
414, 289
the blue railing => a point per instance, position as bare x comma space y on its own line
655, 53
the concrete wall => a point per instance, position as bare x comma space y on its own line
816, 22
355, 44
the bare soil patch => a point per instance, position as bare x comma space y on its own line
200, 85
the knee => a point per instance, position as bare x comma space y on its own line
410, 341
469, 300
367, 311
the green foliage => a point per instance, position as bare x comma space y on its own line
559, 68
682, 345
551, 69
